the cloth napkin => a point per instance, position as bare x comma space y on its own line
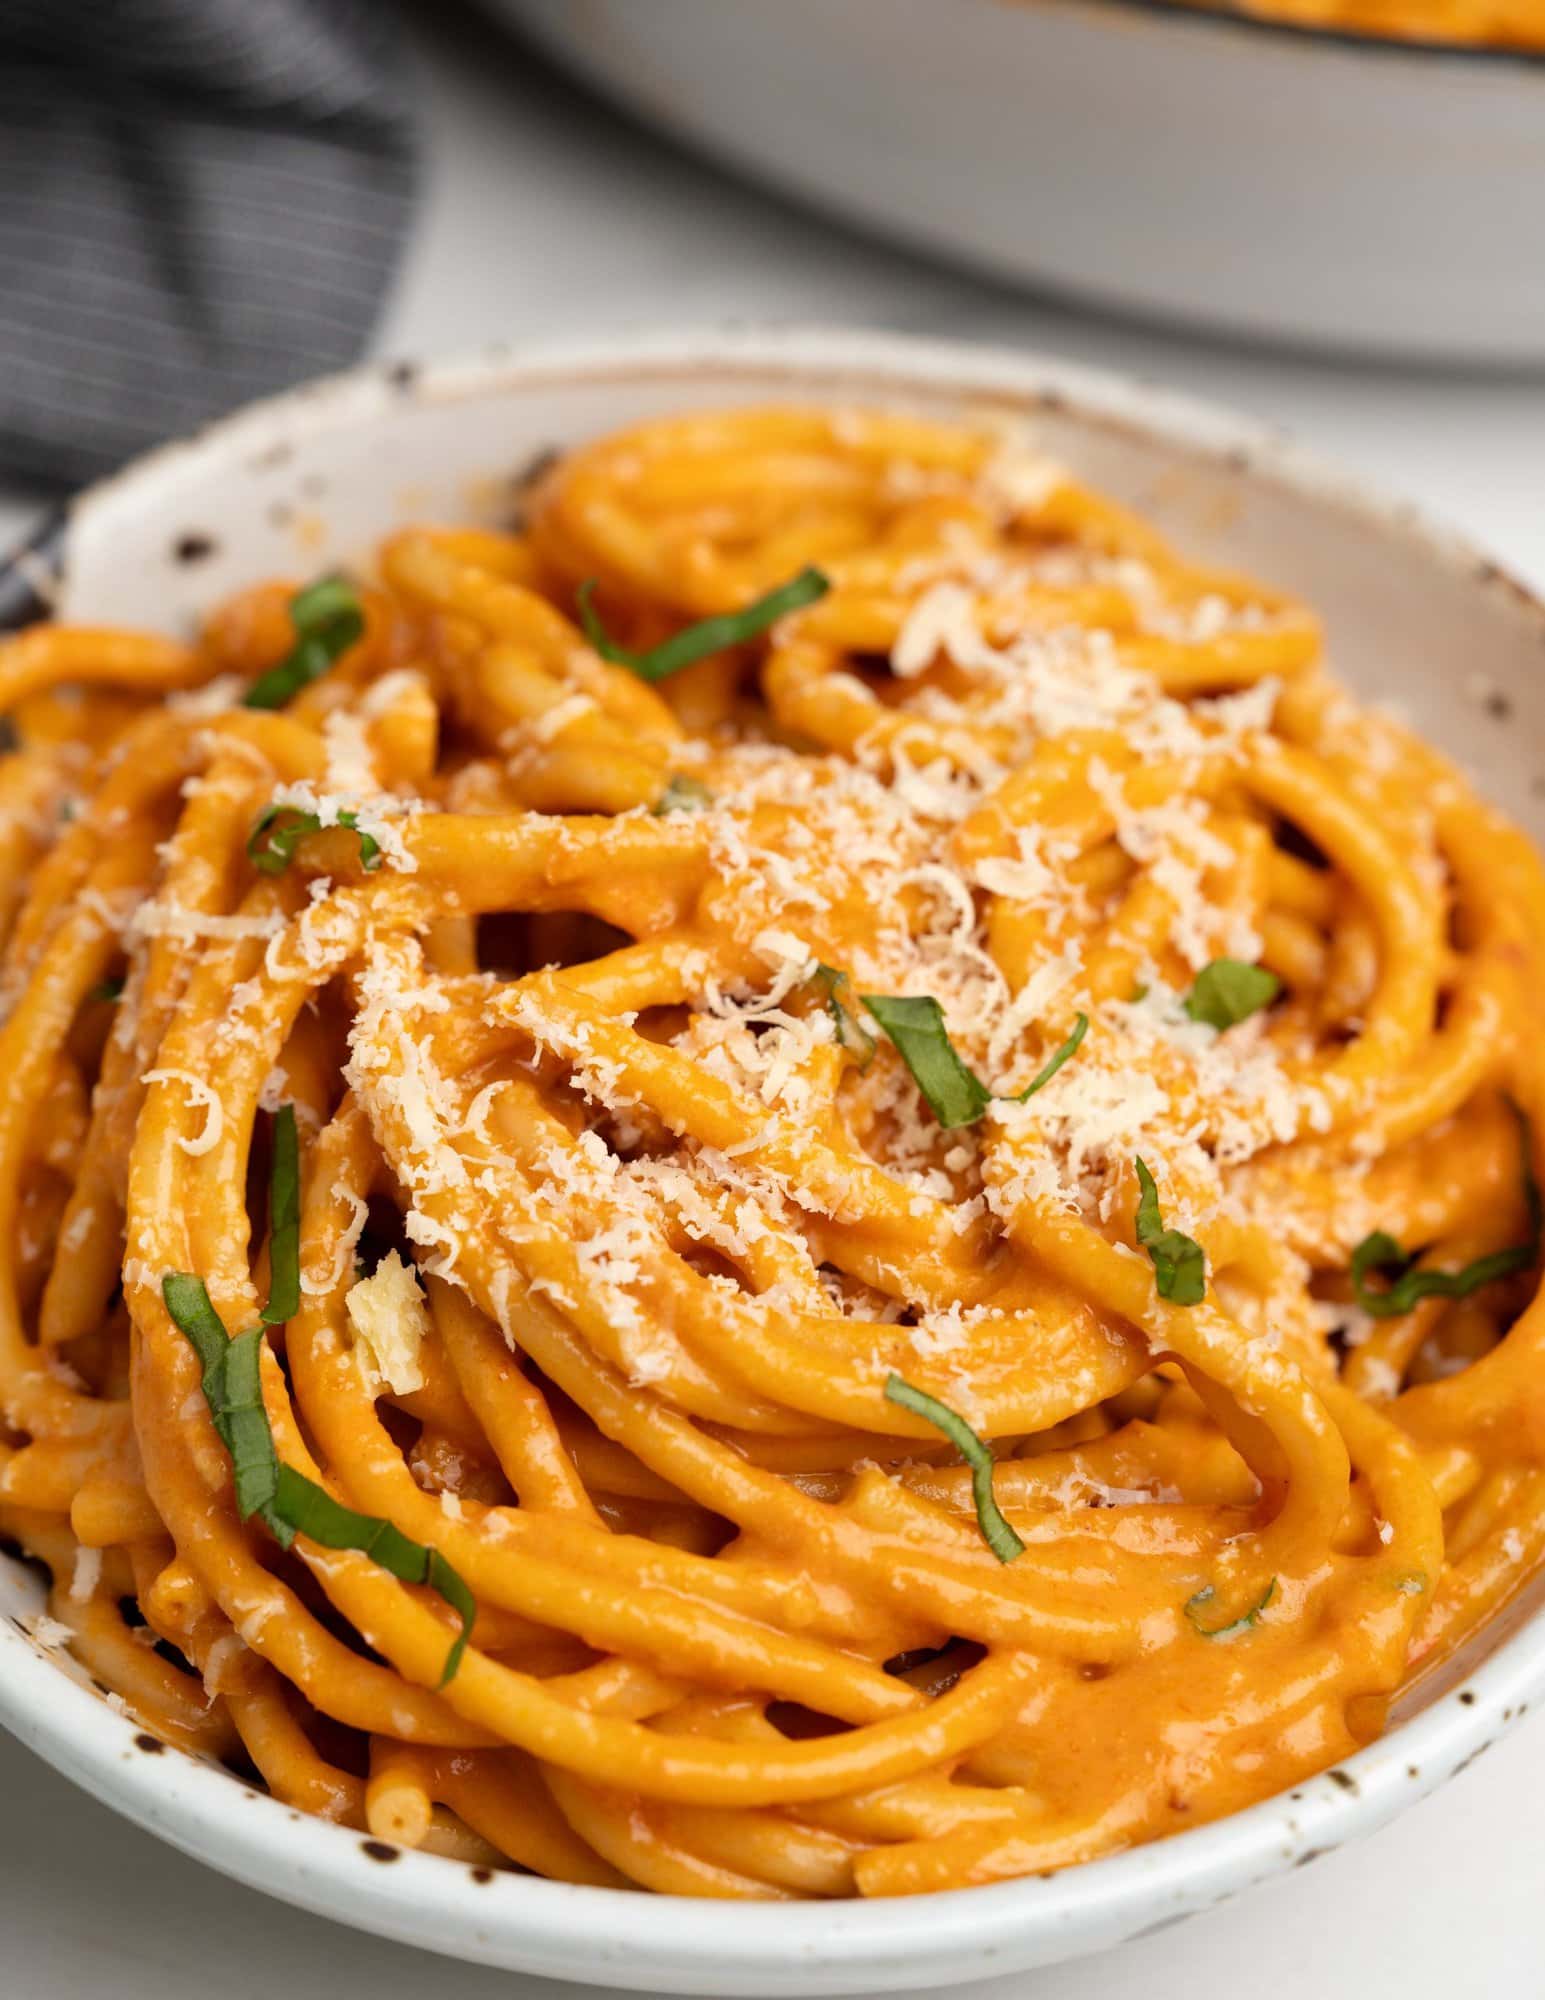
201, 201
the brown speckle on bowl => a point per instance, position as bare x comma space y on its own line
526, 475
1342, 1778
380, 1850
1494, 574
402, 374
151, 1745
481, 1874
194, 546
1163, 1924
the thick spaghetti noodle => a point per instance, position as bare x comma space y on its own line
891, 1242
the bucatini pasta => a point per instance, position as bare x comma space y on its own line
815, 1180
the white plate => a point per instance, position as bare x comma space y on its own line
1215, 170
316, 475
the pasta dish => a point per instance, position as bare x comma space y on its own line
1500, 24
814, 1179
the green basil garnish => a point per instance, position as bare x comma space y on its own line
1251, 1617
1055, 1061
328, 620
996, 1532
284, 1500
709, 635
1228, 991
682, 794
278, 831
1380, 1252
106, 989
283, 1221
1179, 1267
1410, 1284
851, 1033
955, 1094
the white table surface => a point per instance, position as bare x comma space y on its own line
545, 213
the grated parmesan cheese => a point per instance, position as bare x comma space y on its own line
86, 1575
204, 1097
47, 1632
389, 1319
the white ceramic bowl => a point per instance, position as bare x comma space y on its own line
1215, 170
316, 475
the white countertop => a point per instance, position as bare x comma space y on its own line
545, 213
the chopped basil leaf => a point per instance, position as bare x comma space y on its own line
279, 830
1058, 1058
1252, 1617
283, 1221
709, 635
1410, 1283
916, 1025
851, 1033
1228, 991
1380, 1252
955, 1094
1179, 1267
309, 1509
328, 620
996, 1532
106, 989
682, 794
231, 1389
286, 1501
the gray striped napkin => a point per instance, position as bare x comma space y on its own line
201, 201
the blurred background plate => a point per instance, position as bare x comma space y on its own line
1212, 170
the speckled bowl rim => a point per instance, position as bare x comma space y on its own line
672, 1944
